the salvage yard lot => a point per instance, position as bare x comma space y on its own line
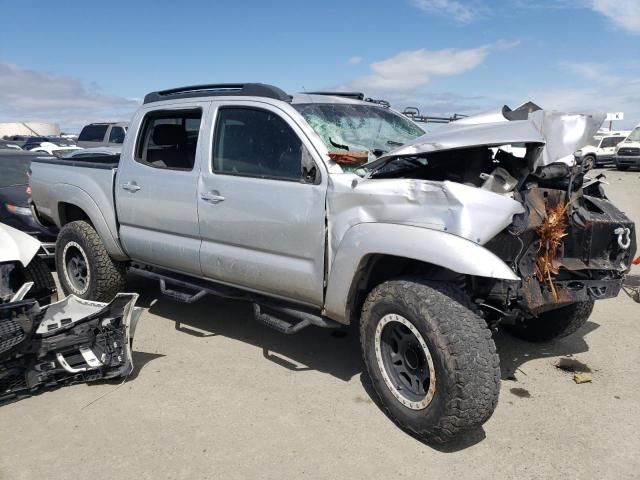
216, 395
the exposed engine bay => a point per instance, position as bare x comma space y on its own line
565, 240
70, 341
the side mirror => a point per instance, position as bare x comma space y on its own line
310, 172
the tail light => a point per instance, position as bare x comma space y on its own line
636, 261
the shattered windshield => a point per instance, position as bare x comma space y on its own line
367, 129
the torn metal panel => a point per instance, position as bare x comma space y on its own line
468, 212
70, 341
561, 134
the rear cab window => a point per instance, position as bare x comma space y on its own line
168, 139
93, 133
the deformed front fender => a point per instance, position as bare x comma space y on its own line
417, 243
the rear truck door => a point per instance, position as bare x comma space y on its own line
261, 203
156, 186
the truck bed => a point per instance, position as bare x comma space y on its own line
107, 162
87, 183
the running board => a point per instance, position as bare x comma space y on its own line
288, 320
178, 296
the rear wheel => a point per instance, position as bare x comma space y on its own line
556, 323
431, 360
84, 267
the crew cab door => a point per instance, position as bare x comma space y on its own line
261, 204
156, 187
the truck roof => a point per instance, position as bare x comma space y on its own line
259, 90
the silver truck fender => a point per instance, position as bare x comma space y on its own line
81, 199
17, 246
431, 246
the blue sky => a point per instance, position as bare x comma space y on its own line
75, 62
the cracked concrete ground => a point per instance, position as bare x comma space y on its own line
216, 395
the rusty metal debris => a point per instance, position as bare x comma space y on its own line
551, 232
349, 158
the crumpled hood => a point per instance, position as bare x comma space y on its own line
560, 133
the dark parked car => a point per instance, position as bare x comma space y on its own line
15, 195
7, 145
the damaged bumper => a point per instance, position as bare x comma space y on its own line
71, 341
596, 249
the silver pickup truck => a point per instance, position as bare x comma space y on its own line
332, 209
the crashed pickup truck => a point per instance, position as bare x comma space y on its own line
331, 209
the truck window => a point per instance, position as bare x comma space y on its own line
611, 141
116, 135
256, 143
168, 139
93, 133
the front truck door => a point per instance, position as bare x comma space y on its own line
261, 203
156, 189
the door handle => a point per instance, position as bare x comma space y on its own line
212, 197
131, 187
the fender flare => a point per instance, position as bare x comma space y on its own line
74, 195
432, 246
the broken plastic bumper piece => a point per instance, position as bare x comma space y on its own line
70, 341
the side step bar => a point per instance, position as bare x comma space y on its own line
284, 319
288, 320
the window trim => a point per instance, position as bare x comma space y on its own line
144, 132
216, 127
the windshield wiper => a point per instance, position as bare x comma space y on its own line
337, 145
394, 143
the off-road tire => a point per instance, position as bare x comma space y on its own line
589, 162
467, 368
106, 276
38, 272
553, 324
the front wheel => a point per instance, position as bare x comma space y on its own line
84, 266
431, 360
553, 324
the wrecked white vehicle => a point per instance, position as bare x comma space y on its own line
326, 210
42, 344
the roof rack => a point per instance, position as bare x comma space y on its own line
354, 96
220, 89
414, 114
